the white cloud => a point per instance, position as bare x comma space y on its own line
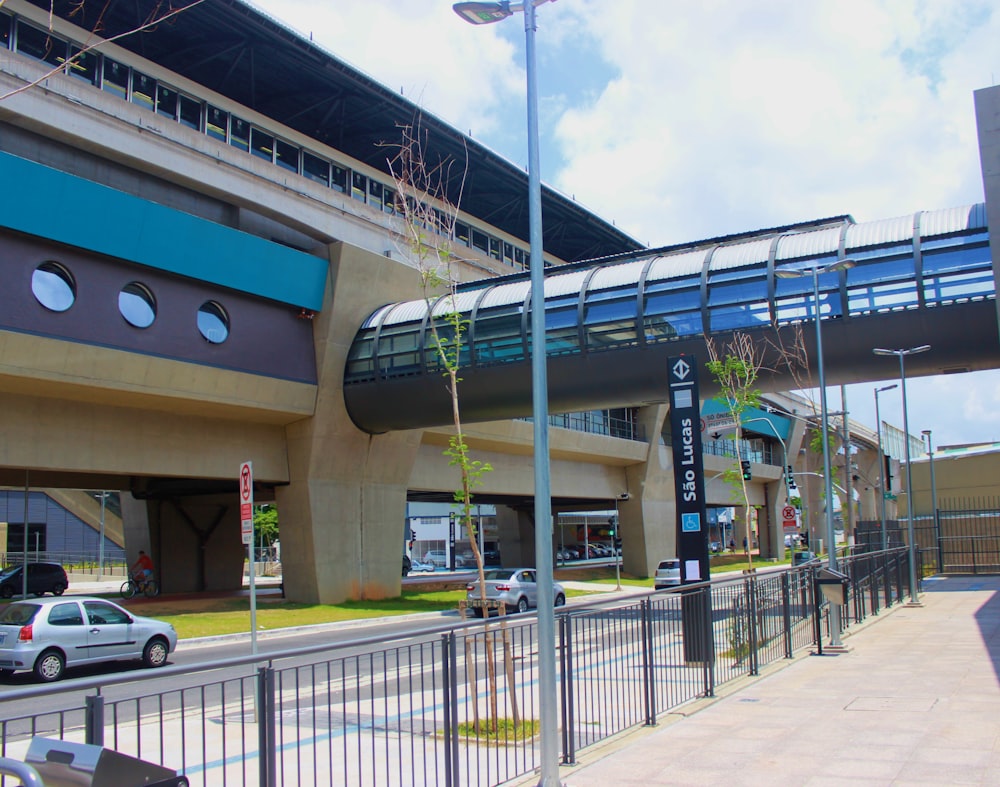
729, 117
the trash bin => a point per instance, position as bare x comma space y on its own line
67, 764
833, 585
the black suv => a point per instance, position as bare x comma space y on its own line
42, 578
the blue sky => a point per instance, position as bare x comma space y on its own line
686, 121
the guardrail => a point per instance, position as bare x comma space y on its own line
420, 710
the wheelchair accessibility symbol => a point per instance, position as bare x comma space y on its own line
690, 523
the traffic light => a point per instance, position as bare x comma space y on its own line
745, 466
789, 476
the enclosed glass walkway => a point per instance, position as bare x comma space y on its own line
603, 318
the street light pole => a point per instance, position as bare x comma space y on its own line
100, 548
831, 550
881, 462
934, 507
487, 13
901, 354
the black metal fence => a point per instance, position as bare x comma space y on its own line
453, 704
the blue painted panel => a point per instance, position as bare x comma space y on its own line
77, 212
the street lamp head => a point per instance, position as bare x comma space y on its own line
911, 351
483, 13
819, 270
886, 388
926, 432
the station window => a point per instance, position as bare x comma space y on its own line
115, 78
462, 233
389, 200
40, 45
83, 65
137, 304
216, 122
359, 186
261, 144
166, 102
481, 241
508, 253
239, 133
315, 168
338, 178
53, 286
143, 90
189, 112
5, 30
213, 322
375, 194
286, 155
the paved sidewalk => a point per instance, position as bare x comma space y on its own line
913, 700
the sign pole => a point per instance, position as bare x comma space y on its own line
692, 519
246, 529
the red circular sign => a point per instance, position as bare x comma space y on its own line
788, 512
245, 482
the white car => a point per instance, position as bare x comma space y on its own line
47, 635
668, 574
515, 588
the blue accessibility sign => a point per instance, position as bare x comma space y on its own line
690, 523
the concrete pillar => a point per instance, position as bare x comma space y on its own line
517, 536
343, 513
648, 518
194, 542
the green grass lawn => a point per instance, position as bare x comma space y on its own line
214, 617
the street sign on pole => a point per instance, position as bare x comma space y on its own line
246, 502
788, 512
246, 530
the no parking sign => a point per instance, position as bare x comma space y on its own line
246, 502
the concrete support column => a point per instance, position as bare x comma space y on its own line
343, 514
648, 518
517, 536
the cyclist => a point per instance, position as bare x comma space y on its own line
142, 569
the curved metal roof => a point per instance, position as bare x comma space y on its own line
240, 52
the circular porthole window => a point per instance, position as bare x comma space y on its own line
213, 322
137, 305
53, 286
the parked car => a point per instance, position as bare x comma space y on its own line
515, 588
436, 557
419, 565
799, 558
715, 546
571, 552
42, 578
668, 574
491, 556
47, 635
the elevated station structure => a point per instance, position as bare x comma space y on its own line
197, 225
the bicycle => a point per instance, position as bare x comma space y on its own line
132, 587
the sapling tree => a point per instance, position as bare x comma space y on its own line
735, 369
429, 216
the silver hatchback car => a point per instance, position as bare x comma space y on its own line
515, 588
47, 635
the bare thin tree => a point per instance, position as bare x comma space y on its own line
160, 12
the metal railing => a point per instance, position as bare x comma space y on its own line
74, 562
418, 710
